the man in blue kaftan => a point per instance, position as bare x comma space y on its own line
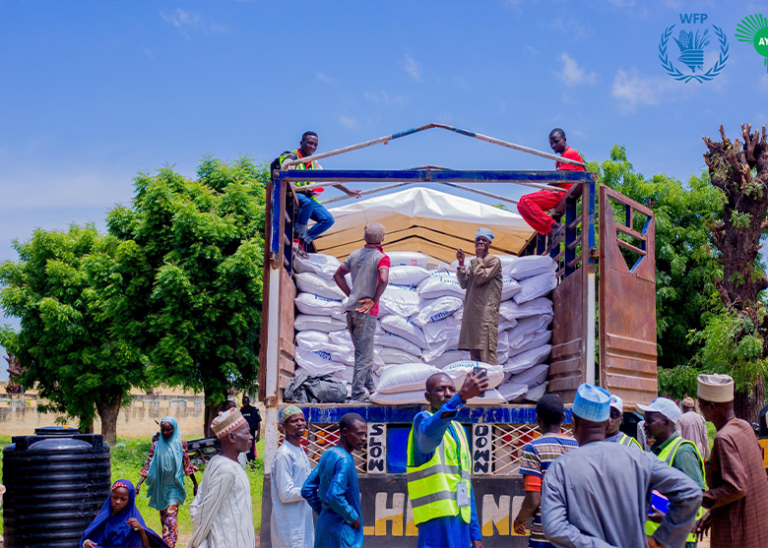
333, 492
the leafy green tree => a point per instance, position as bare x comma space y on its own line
193, 287
70, 342
686, 261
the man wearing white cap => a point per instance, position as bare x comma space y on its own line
597, 495
737, 498
661, 417
221, 513
483, 282
614, 435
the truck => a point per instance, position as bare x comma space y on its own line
604, 328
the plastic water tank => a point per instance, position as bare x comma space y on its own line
55, 487
56, 431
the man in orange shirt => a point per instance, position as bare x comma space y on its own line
534, 207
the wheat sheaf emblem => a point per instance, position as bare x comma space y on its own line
691, 48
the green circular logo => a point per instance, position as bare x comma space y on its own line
761, 42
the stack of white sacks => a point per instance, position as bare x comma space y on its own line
418, 328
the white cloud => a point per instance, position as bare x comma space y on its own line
763, 84
412, 67
531, 50
384, 98
572, 74
347, 121
631, 89
184, 20
324, 78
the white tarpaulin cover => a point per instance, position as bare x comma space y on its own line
424, 220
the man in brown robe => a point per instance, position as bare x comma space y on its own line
737, 498
482, 280
693, 427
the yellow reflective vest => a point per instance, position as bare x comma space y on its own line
668, 455
433, 486
629, 441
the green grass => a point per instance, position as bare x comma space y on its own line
128, 456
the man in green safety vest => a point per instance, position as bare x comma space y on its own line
439, 467
309, 207
614, 435
660, 419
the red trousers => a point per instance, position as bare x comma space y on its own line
534, 207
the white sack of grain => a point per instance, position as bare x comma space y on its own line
539, 339
535, 393
309, 338
314, 305
511, 391
532, 265
316, 285
448, 357
441, 284
405, 328
436, 310
317, 362
395, 356
326, 324
526, 360
510, 310
400, 301
535, 287
405, 378
509, 287
531, 377
316, 263
392, 340
407, 258
458, 372
407, 275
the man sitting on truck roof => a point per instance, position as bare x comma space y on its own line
309, 207
534, 207
370, 275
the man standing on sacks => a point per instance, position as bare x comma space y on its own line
369, 267
483, 282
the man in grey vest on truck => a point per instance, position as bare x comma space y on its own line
370, 275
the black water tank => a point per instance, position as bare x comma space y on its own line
55, 487
56, 431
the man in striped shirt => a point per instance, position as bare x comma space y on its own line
537, 456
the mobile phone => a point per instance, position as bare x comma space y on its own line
482, 370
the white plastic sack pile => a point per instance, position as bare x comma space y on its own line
324, 266
395, 356
526, 360
314, 284
448, 357
441, 283
326, 324
317, 362
510, 310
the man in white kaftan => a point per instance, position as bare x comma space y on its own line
221, 513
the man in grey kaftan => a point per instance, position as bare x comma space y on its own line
483, 282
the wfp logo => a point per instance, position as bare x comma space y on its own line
692, 42
754, 29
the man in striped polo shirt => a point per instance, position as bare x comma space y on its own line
537, 456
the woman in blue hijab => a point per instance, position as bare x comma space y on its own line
119, 523
164, 472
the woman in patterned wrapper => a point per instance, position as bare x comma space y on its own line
164, 471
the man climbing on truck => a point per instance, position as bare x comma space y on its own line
534, 207
309, 207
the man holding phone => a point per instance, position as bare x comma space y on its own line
483, 282
440, 466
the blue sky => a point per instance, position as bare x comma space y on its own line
94, 92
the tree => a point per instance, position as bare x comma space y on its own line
70, 340
195, 285
685, 263
740, 171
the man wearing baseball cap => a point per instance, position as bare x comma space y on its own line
661, 417
596, 495
614, 435
737, 498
